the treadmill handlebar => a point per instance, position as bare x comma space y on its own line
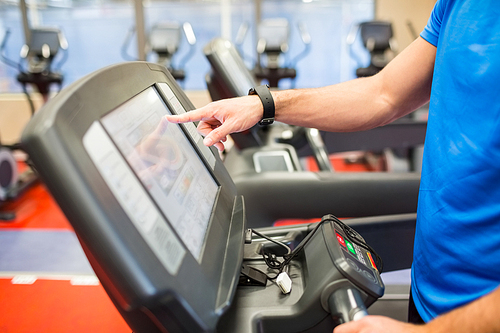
346, 305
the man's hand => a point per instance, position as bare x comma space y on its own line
378, 324
221, 118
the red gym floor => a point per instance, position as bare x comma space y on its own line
46, 284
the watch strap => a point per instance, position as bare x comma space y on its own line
266, 98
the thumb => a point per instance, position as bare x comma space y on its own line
350, 327
218, 134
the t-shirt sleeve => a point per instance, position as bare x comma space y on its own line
433, 27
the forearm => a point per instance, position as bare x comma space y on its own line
401, 87
479, 316
349, 106
356, 105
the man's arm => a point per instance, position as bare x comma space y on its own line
480, 316
401, 87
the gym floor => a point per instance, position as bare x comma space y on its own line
46, 282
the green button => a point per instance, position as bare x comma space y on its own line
351, 248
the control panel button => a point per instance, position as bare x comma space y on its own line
369, 276
353, 265
340, 239
350, 247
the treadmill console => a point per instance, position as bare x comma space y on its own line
359, 264
333, 280
163, 226
354, 260
155, 210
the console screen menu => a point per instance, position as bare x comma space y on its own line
166, 164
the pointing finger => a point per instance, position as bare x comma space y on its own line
195, 115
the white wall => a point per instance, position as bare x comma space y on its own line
400, 12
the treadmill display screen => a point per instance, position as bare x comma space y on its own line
169, 169
234, 67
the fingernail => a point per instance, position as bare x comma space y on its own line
207, 142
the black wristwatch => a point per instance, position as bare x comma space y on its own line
265, 96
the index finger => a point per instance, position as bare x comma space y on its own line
190, 116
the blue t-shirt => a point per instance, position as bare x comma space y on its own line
457, 241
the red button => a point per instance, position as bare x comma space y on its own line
341, 240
